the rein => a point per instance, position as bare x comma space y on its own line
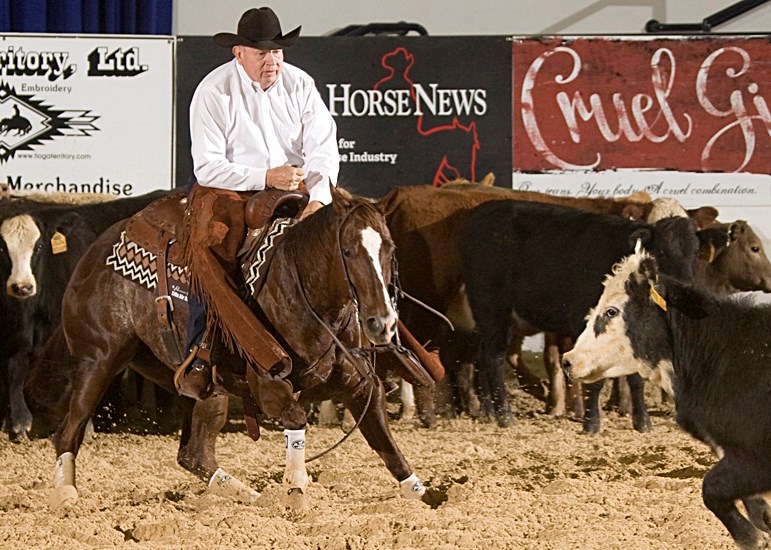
399, 293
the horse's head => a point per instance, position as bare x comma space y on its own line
367, 253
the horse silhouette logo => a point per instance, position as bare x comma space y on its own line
458, 144
27, 121
18, 123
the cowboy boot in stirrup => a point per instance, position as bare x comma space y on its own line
194, 376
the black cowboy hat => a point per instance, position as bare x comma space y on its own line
258, 28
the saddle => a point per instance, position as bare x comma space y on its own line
156, 228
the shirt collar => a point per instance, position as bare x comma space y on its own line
249, 84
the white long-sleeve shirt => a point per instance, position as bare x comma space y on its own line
239, 131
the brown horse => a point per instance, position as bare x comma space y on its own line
326, 294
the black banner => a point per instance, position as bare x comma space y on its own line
409, 110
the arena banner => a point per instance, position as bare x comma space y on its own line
86, 114
409, 110
685, 117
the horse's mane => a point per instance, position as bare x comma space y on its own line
310, 228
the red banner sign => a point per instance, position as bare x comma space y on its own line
692, 104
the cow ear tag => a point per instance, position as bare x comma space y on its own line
658, 299
58, 243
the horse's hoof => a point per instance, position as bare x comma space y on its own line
63, 498
296, 501
225, 485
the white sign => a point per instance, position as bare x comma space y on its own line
86, 114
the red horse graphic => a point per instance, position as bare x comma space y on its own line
400, 62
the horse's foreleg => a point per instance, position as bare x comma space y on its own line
276, 399
374, 428
295, 474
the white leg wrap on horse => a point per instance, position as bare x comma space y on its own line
295, 474
412, 487
226, 485
64, 493
64, 470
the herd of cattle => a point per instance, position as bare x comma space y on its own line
499, 265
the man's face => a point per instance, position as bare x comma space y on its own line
262, 66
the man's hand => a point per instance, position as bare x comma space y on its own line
286, 177
311, 208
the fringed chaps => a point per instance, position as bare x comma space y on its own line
213, 231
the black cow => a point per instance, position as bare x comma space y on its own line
533, 267
712, 354
39, 247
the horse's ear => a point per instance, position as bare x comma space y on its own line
341, 199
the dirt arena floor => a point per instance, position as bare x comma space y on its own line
539, 485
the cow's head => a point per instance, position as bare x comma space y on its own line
604, 349
627, 331
48, 240
674, 243
743, 263
21, 239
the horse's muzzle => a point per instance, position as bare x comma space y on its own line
379, 330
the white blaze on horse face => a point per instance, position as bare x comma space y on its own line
603, 349
20, 234
372, 242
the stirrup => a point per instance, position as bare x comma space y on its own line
179, 374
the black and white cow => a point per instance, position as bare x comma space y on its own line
40, 244
534, 267
713, 354
732, 259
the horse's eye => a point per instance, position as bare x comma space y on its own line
755, 249
346, 252
611, 312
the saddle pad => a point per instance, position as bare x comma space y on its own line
140, 266
256, 260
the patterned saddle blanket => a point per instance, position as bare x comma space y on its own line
140, 265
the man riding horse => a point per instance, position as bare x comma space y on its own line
325, 293
256, 123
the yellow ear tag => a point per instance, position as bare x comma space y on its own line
58, 243
658, 299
